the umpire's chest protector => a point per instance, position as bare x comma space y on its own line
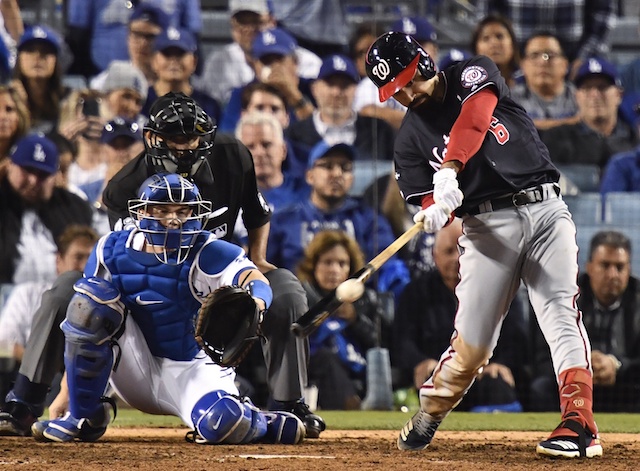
158, 296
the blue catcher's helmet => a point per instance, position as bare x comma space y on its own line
179, 118
173, 233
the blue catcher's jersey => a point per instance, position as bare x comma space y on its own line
164, 299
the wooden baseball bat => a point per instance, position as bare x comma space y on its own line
311, 320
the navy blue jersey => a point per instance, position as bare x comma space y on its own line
511, 158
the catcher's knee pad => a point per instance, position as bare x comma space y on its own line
94, 316
95, 312
228, 420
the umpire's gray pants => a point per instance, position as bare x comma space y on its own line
44, 352
285, 355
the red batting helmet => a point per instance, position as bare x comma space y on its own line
392, 61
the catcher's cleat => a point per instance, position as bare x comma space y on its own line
16, 419
418, 432
313, 423
66, 429
283, 427
571, 439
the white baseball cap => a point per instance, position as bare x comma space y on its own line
258, 6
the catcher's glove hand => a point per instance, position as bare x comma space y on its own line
227, 324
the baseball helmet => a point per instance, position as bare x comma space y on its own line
177, 117
392, 61
174, 234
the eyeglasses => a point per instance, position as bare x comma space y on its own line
346, 167
546, 56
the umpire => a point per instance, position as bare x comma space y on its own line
179, 138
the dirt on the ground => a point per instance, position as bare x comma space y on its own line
163, 449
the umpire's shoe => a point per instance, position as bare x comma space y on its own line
418, 432
16, 419
571, 439
313, 423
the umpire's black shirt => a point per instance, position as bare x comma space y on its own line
226, 178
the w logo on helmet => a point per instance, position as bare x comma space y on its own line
381, 70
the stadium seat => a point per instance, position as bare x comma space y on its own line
586, 208
365, 172
586, 177
622, 209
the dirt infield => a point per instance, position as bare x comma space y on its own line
165, 449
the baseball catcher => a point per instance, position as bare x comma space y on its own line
145, 289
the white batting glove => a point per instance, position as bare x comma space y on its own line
446, 191
433, 218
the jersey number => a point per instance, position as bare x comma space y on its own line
499, 131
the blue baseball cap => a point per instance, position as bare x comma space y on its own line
120, 127
417, 27
40, 33
273, 41
150, 13
453, 57
179, 38
322, 148
338, 64
37, 152
597, 66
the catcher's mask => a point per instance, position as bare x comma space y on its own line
175, 232
178, 118
392, 61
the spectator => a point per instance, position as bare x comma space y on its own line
330, 175
337, 362
120, 142
420, 336
610, 304
263, 98
67, 153
73, 249
247, 19
600, 133
494, 38
582, 26
124, 91
622, 172
38, 77
33, 211
453, 56
98, 29
174, 63
545, 94
145, 25
275, 63
336, 121
262, 134
14, 120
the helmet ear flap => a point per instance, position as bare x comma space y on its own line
426, 66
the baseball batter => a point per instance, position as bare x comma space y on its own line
466, 148
140, 292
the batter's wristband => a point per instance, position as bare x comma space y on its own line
260, 289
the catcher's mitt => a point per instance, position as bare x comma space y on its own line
227, 324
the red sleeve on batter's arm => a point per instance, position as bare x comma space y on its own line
468, 131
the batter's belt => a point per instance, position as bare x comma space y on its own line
531, 195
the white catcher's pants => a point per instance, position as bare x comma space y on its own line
162, 386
